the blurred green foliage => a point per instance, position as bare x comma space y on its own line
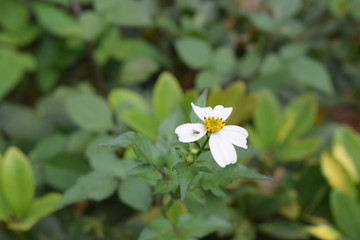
77, 73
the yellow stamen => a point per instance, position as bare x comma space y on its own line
213, 124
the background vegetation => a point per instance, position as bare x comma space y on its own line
77, 73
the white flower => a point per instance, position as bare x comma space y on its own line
222, 138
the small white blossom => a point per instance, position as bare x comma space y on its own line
222, 138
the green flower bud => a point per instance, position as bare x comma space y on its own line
190, 159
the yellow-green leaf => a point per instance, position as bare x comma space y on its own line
167, 95
336, 175
17, 181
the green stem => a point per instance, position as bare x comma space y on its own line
203, 146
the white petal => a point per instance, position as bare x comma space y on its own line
235, 134
190, 132
222, 151
202, 112
221, 112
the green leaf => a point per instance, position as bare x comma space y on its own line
176, 209
293, 51
39, 209
200, 102
312, 73
122, 99
299, 116
159, 229
224, 59
91, 25
207, 79
167, 95
135, 193
13, 14
138, 70
224, 176
267, 119
125, 12
95, 185
17, 181
263, 21
145, 150
24, 123
63, 170
194, 52
108, 163
336, 175
166, 136
185, 175
147, 173
298, 149
346, 212
284, 230
49, 147
4, 206
199, 225
346, 149
234, 96
56, 20
13, 65
286, 8
249, 63
141, 122
90, 112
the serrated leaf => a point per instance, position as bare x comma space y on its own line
224, 176
145, 150
185, 175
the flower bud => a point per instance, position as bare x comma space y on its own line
190, 159
194, 150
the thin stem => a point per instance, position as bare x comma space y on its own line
203, 146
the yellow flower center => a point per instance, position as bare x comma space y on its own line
213, 124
